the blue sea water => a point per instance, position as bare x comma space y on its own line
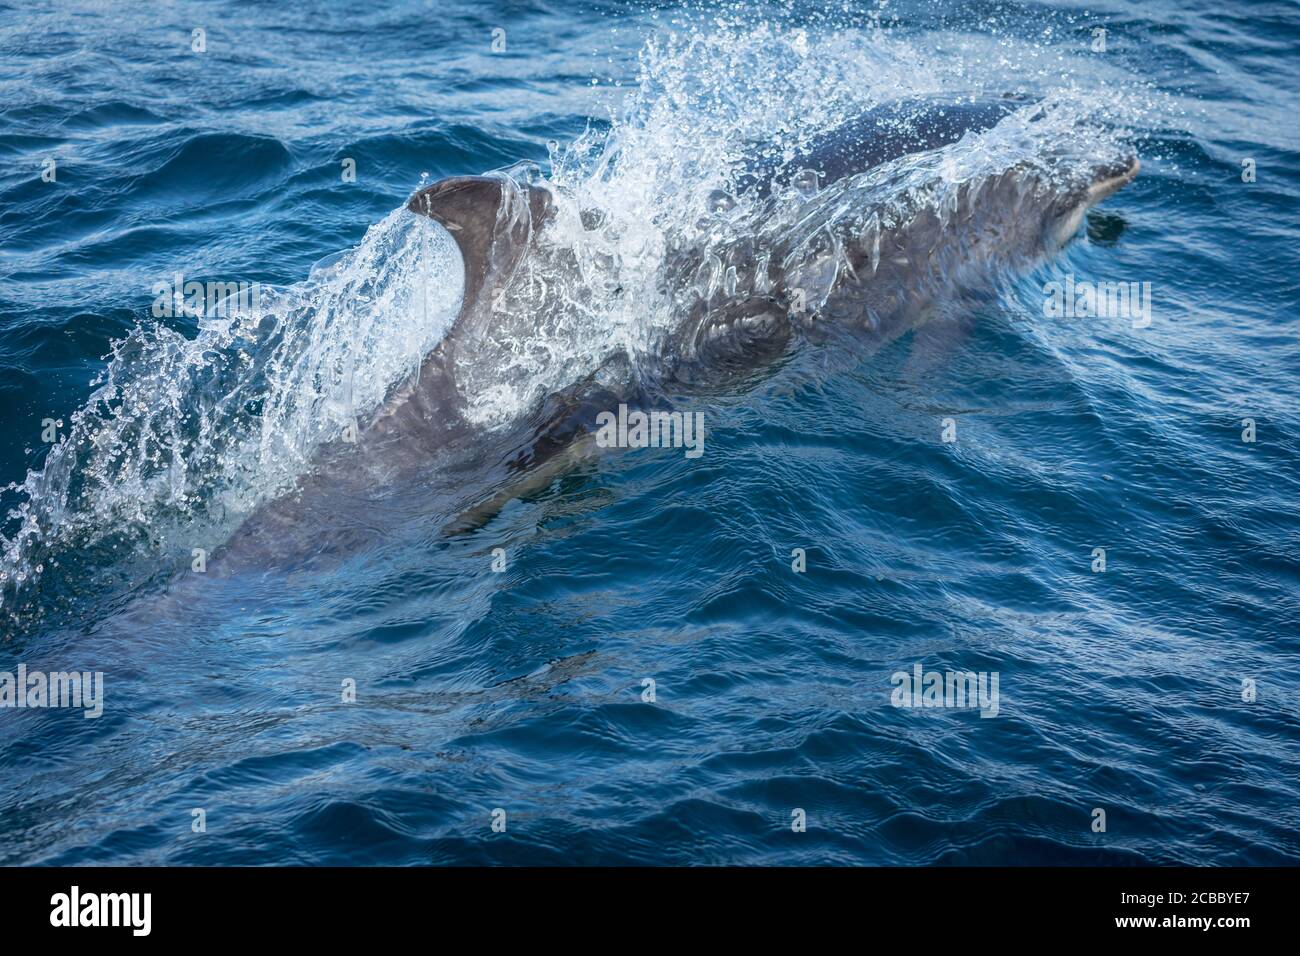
520, 694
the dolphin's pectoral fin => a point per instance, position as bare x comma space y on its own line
522, 484
562, 437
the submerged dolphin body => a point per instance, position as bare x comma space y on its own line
823, 247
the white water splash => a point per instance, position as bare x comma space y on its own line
185, 432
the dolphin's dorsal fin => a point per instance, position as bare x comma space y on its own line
491, 218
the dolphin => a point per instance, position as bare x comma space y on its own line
819, 244
875, 268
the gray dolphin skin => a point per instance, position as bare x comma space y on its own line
825, 250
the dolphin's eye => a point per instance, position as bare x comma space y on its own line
721, 201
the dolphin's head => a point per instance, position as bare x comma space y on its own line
1103, 180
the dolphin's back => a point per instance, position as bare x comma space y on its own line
880, 135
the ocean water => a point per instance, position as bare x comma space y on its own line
622, 664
